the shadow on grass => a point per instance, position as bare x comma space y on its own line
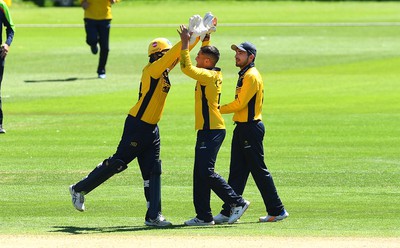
114, 229
59, 80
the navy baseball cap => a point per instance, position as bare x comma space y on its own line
245, 46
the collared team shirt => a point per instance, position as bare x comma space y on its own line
249, 95
155, 85
207, 94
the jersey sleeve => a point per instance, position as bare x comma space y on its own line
8, 23
203, 76
168, 61
243, 95
205, 43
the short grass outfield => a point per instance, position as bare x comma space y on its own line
331, 110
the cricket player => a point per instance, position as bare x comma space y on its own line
6, 21
140, 138
97, 18
211, 132
247, 151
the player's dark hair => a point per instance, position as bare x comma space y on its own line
212, 52
249, 53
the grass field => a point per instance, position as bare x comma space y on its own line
332, 111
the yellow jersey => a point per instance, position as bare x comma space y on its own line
249, 96
98, 9
155, 85
207, 94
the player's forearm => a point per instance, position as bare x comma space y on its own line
206, 41
169, 60
10, 35
230, 107
185, 45
185, 36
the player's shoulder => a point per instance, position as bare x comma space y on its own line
252, 74
253, 71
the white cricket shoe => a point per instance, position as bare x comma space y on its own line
221, 219
270, 218
1, 129
197, 222
78, 199
160, 221
237, 212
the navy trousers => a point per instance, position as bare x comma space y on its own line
142, 141
247, 156
98, 31
205, 178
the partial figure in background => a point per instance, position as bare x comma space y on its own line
97, 19
6, 21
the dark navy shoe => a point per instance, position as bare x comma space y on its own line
94, 49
